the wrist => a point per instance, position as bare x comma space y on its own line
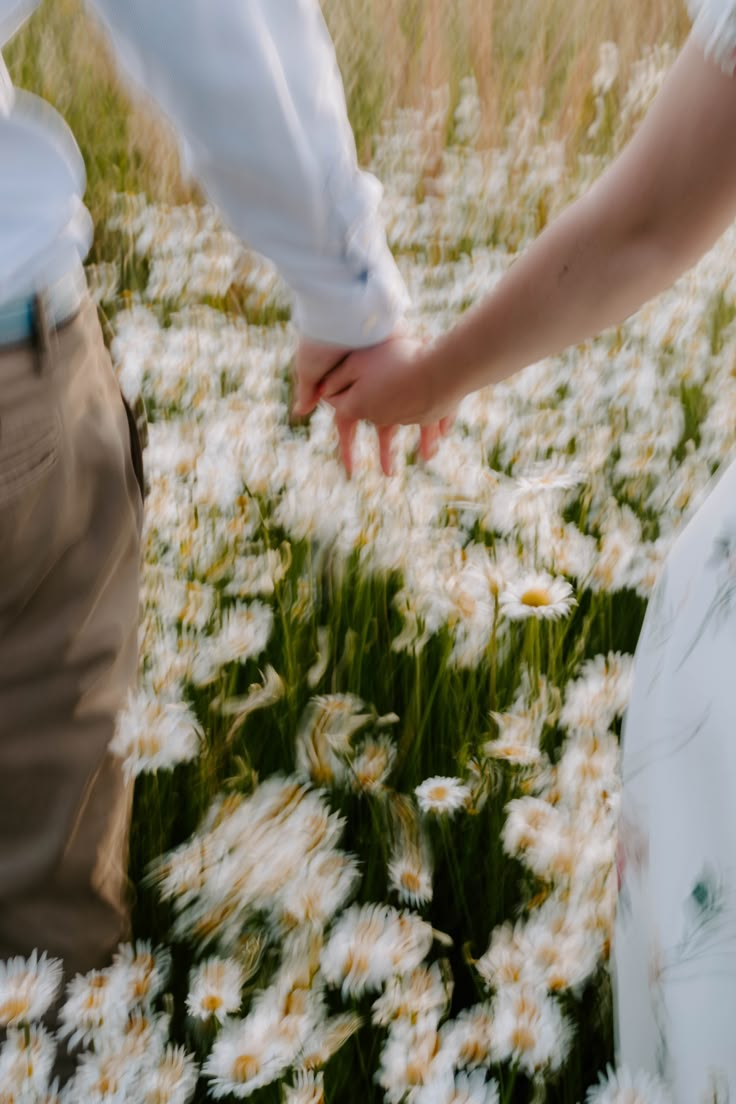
445, 386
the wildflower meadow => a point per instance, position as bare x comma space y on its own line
376, 734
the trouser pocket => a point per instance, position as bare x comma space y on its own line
69, 603
138, 435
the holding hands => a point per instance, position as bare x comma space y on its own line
388, 384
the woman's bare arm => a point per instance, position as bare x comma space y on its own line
662, 203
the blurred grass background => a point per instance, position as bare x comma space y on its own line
392, 54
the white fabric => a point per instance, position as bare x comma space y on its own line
44, 226
675, 946
254, 92
7, 92
12, 14
714, 25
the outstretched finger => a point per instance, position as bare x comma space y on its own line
428, 438
305, 388
306, 398
386, 436
346, 433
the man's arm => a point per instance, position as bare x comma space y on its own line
254, 91
13, 14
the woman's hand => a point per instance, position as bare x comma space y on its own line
389, 385
349, 379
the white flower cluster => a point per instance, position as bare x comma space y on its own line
272, 854
128, 1057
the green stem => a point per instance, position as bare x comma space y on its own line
453, 864
492, 654
508, 1092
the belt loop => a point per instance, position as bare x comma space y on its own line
41, 332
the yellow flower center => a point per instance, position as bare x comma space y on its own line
523, 1039
356, 962
212, 1002
415, 1073
474, 1050
12, 1009
410, 881
141, 985
439, 793
536, 596
245, 1067
148, 746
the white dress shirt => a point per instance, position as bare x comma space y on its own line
714, 25
253, 90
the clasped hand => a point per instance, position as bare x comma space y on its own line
386, 384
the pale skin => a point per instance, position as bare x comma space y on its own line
315, 360
660, 205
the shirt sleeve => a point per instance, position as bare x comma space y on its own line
714, 26
13, 14
254, 92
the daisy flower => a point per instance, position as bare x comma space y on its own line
425, 991
245, 632
410, 875
308, 1088
104, 1079
96, 1003
537, 594
551, 475
147, 969
463, 1088
318, 890
518, 737
318, 669
469, 1036
599, 695
507, 961
153, 735
370, 943
172, 1080
28, 986
141, 1039
372, 765
529, 1029
26, 1059
442, 795
259, 696
412, 1057
215, 988
623, 1087
327, 1038
249, 1053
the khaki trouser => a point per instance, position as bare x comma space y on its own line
71, 512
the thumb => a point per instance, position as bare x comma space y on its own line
307, 397
338, 380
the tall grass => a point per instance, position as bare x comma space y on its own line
392, 54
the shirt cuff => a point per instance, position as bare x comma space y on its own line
362, 308
714, 26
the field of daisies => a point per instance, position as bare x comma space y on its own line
376, 735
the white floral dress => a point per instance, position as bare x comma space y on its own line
675, 944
